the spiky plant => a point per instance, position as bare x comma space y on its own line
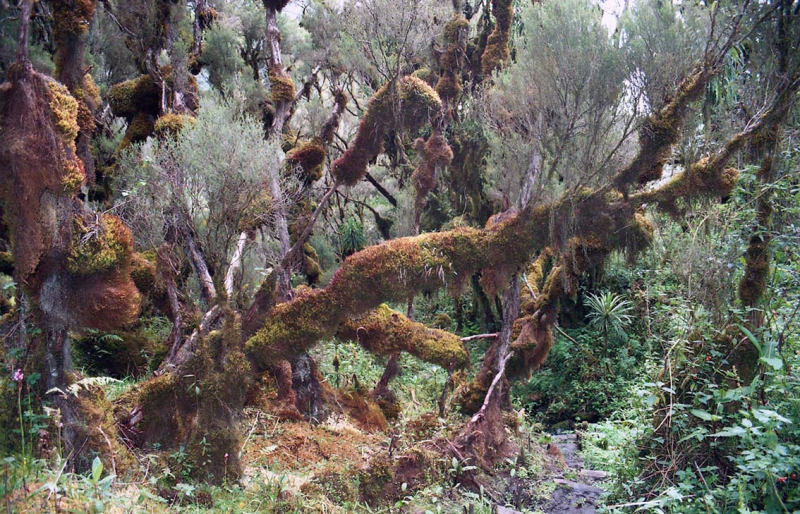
609, 312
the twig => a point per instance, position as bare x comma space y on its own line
480, 336
252, 429
492, 387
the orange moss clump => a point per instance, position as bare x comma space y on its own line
206, 16
309, 157
406, 105
497, 52
435, 154
387, 332
363, 410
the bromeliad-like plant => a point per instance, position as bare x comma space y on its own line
609, 312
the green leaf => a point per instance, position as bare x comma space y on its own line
734, 431
705, 416
773, 362
752, 339
97, 470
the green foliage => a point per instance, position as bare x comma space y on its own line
609, 312
221, 56
351, 236
581, 379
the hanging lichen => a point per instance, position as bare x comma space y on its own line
456, 32
407, 105
497, 52
435, 154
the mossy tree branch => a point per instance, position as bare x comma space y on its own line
400, 268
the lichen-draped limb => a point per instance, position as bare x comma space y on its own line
533, 334
406, 106
400, 268
660, 131
387, 332
435, 154
497, 52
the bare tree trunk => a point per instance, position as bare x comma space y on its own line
22, 39
207, 288
236, 264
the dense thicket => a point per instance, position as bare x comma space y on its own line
200, 194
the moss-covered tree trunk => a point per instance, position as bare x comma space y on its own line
73, 265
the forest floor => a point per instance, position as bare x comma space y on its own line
296, 466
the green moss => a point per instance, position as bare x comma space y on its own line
73, 177
443, 321
170, 124
101, 436
7, 263
140, 128
64, 109
98, 246
9, 422
257, 213
497, 52
703, 179
455, 34
131, 353
311, 266
387, 332
282, 86
372, 482
426, 75
133, 96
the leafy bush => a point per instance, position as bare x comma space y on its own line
583, 379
